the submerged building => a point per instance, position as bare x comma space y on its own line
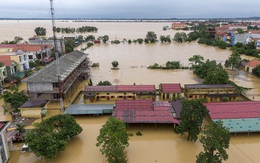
44, 84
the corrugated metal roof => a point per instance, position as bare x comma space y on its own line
68, 63
234, 110
84, 109
168, 88
100, 88
208, 86
242, 125
136, 88
144, 111
33, 103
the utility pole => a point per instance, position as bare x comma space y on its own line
56, 56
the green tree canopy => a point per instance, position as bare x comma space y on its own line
233, 61
15, 97
40, 31
196, 59
70, 45
105, 38
215, 141
180, 37
151, 37
256, 71
115, 64
104, 83
113, 139
51, 135
191, 117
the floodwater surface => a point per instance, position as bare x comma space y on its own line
159, 144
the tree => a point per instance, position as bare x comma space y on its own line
90, 38
191, 117
51, 135
215, 141
70, 45
115, 64
105, 38
240, 30
15, 97
151, 37
20, 128
113, 139
196, 59
40, 31
104, 83
233, 61
256, 71
180, 37
7, 107
17, 39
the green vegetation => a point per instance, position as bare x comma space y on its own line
113, 139
104, 83
248, 49
51, 135
89, 38
16, 40
34, 64
180, 37
105, 38
168, 65
40, 31
256, 71
70, 45
82, 29
140, 40
165, 39
215, 141
115, 42
139, 133
240, 30
15, 98
191, 117
150, 37
90, 82
95, 65
115, 64
234, 61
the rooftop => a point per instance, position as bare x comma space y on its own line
171, 87
253, 63
201, 86
68, 63
100, 88
136, 88
86, 109
33, 103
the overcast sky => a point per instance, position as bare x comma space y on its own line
130, 8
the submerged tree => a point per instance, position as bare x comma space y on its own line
40, 31
233, 61
51, 135
115, 64
191, 118
215, 141
113, 139
150, 37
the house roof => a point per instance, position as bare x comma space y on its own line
136, 88
177, 106
6, 59
254, 31
171, 87
253, 63
30, 48
68, 63
7, 45
144, 111
234, 110
100, 88
195, 86
33, 103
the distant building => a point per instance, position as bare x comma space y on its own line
179, 25
211, 92
44, 84
33, 109
12, 68
3, 73
4, 148
251, 65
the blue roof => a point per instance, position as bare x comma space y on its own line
244, 125
84, 109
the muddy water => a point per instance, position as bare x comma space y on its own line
160, 145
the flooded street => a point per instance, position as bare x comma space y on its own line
159, 145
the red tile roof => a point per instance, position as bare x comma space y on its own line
136, 88
6, 59
144, 111
253, 63
7, 45
234, 110
254, 31
171, 88
29, 47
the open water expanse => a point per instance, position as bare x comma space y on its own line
159, 145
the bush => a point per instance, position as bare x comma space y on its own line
138, 133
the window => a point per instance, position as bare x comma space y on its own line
56, 96
24, 57
55, 85
30, 57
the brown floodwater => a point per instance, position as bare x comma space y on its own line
159, 144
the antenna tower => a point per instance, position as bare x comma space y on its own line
56, 55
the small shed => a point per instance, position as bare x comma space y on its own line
33, 109
89, 109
